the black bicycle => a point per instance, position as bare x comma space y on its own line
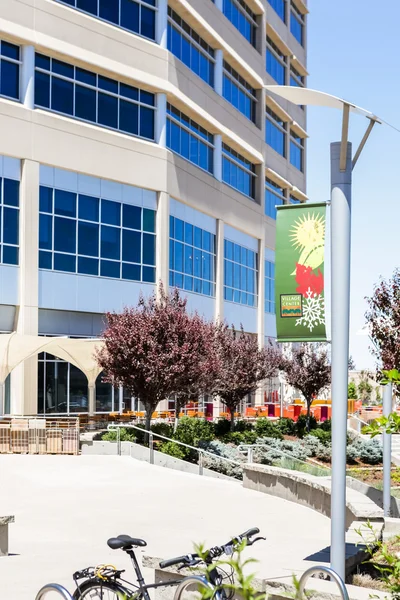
105, 582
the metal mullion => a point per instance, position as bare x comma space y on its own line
239, 165
11, 60
246, 14
120, 243
186, 128
68, 385
191, 40
240, 85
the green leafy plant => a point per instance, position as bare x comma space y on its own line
390, 424
352, 391
173, 449
266, 427
126, 435
240, 583
384, 558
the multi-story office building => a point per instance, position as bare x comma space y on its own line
138, 144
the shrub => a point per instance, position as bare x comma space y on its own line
173, 449
368, 451
325, 437
326, 425
316, 448
301, 425
243, 426
127, 435
278, 448
266, 428
163, 429
222, 427
191, 431
286, 426
221, 466
237, 438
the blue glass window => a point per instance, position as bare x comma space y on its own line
138, 16
294, 200
9, 70
239, 93
279, 7
190, 140
296, 79
191, 258
190, 48
240, 274
274, 196
297, 23
275, 132
9, 221
84, 95
238, 172
296, 151
276, 62
95, 236
242, 17
269, 287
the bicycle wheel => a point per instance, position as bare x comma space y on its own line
93, 589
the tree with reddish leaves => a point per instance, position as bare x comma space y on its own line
242, 366
157, 349
383, 318
307, 369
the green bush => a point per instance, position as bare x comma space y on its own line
222, 427
286, 426
191, 431
127, 435
301, 425
237, 437
368, 451
325, 437
163, 429
241, 426
221, 466
326, 425
173, 449
266, 428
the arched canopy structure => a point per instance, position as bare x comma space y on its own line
15, 348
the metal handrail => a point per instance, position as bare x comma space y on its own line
317, 569
250, 448
151, 434
53, 587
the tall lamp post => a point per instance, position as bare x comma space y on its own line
342, 165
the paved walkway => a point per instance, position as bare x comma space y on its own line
66, 507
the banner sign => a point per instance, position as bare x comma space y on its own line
299, 273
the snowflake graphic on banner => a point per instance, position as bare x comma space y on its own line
313, 310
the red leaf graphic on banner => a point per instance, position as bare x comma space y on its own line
308, 280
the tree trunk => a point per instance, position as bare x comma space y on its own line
309, 402
178, 407
148, 412
232, 411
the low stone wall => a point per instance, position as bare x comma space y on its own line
142, 453
375, 495
308, 490
279, 589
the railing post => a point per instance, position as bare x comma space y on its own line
200, 462
249, 454
151, 448
118, 441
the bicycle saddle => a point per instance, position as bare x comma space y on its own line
125, 542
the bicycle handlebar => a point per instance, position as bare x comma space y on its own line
190, 559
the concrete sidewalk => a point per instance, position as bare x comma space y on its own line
66, 507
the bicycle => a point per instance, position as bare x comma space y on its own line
216, 575
105, 582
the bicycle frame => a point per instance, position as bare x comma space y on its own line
140, 590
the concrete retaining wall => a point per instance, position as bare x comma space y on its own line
308, 490
142, 453
375, 495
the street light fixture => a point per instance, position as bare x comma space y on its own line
342, 164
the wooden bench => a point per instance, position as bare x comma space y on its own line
4, 523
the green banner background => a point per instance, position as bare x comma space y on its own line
299, 273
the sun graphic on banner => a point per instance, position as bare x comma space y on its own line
308, 232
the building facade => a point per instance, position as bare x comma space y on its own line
139, 145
